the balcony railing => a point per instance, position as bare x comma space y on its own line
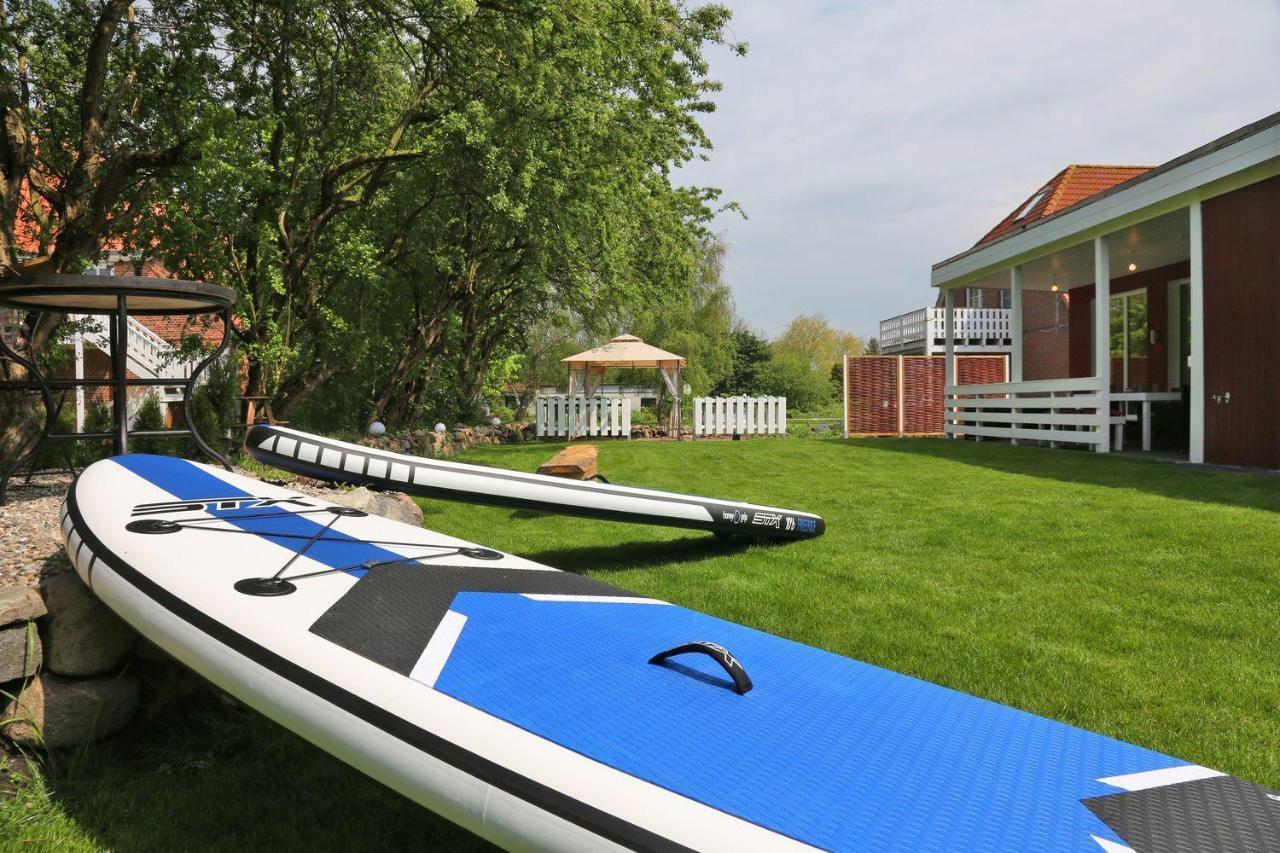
925, 326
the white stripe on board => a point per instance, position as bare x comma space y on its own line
330, 458
439, 647
400, 472
1112, 846
592, 599
377, 467
309, 452
1159, 778
270, 444
286, 446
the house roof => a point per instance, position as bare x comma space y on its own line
625, 351
1254, 146
1071, 186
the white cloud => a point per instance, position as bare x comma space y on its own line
868, 140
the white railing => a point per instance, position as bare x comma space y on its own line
150, 356
739, 415
577, 416
1067, 411
926, 325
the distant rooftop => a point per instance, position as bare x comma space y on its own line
1072, 185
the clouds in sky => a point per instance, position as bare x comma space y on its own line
868, 140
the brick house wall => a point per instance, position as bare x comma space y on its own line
1045, 335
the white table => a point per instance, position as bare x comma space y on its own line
1146, 398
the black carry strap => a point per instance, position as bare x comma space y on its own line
718, 653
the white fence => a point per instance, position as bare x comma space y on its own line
1066, 411
739, 415
578, 416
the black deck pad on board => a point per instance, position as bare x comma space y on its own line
391, 613
1220, 813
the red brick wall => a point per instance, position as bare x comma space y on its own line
1155, 281
1045, 335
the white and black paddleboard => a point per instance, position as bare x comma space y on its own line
329, 459
545, 710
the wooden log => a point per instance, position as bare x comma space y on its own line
576, 463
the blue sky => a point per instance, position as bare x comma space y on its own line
868, 140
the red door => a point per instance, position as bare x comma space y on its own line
1241, 313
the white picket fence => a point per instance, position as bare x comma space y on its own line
739, 415
578, 416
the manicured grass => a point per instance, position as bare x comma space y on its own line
1137, 599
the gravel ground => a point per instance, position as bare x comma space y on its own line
30, 542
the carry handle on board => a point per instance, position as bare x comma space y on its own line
718, 653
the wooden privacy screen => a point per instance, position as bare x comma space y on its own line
873, 389
902, 394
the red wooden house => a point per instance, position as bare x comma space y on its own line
1178, 265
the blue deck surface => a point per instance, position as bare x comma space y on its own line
825, 749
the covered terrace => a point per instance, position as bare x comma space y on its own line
1136, 261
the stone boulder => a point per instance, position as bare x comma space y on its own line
16, 659
56, 712
393, 505
20, 604
81, 636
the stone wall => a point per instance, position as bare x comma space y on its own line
425, 442
63, 657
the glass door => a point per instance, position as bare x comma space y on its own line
1130, 336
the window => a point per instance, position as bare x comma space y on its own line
972, 298
1026, 209
1006, 299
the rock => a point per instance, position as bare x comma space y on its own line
393, 505
81, 636
20, 604
16, 661
56, 712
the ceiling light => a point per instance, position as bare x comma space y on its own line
1053, 288
1132, 266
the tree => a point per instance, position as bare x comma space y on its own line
410, 184
750, 353
100, 103
810, 338
873, 347
787, 375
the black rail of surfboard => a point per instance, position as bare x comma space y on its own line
726, 517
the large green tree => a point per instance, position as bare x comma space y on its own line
100, 104
401, 188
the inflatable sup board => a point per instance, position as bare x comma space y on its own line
327, 459
545, 710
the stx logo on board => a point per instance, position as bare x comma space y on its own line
211, 504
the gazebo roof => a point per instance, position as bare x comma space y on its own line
625, 351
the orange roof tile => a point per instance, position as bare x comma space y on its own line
1072, 185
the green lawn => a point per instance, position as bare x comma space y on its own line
1137, 599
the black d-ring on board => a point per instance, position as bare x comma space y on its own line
718, 653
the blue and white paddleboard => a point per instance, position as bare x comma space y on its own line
544, 710
330, 459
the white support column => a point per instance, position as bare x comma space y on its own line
949, 347
1102, 336
1015, 329
1015, 323
79, 348
1198, 391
